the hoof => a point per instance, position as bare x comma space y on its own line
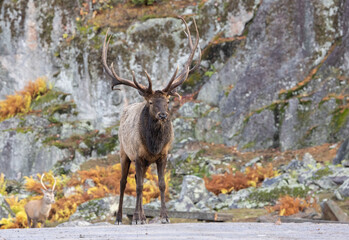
118, 222
138, 222
165, 220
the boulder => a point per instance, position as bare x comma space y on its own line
342, 153
183, 204
331, 211
194, 188
101, 209
5, 209
343, 189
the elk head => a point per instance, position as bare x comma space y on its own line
157, 101
49, 196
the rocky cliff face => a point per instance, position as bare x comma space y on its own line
287, 86
273, 73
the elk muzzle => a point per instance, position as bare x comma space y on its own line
162, 116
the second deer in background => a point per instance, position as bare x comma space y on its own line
38, 210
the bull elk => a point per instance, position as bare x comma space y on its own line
38, 210
145, 131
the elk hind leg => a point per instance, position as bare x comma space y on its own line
125, 167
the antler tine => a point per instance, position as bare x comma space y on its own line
54, 185
184, 73
167, 88
42, 176
150, 86
176, 84
111, 72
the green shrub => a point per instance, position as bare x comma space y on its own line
143, 2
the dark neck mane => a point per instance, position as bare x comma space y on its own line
155, 134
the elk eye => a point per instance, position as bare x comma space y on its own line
150, 102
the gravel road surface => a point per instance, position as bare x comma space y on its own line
198, 231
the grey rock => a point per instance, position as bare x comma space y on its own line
253, 161
31, 158
180, 155
331, 211
305, 176
236, 197
5, 209
342, 153
194, 188
344, 189
288, 134
76, 223
183, 129
83, 145
325, 183
202, 207
210, 202
184, 204
339, 180
345, 163
271, 181
208, 127
69, 191
339, 175
236, 88
309, 161
294, 165
100, 209
338, 195
222, 197
193, 110
79, 158
68, 129
258, 131
280, 181
154, 205
89, 183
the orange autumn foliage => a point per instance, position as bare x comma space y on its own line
229, 181
106, 182
288, 205
20, 102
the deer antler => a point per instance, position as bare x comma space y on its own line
42, 183
118, 80
54, 185
177, 81
42, 176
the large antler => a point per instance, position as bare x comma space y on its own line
118, 80
54, 185
42, 182
178, 80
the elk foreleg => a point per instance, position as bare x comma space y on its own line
138, 216
35, 223
161, 165
29, 221
125, 166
